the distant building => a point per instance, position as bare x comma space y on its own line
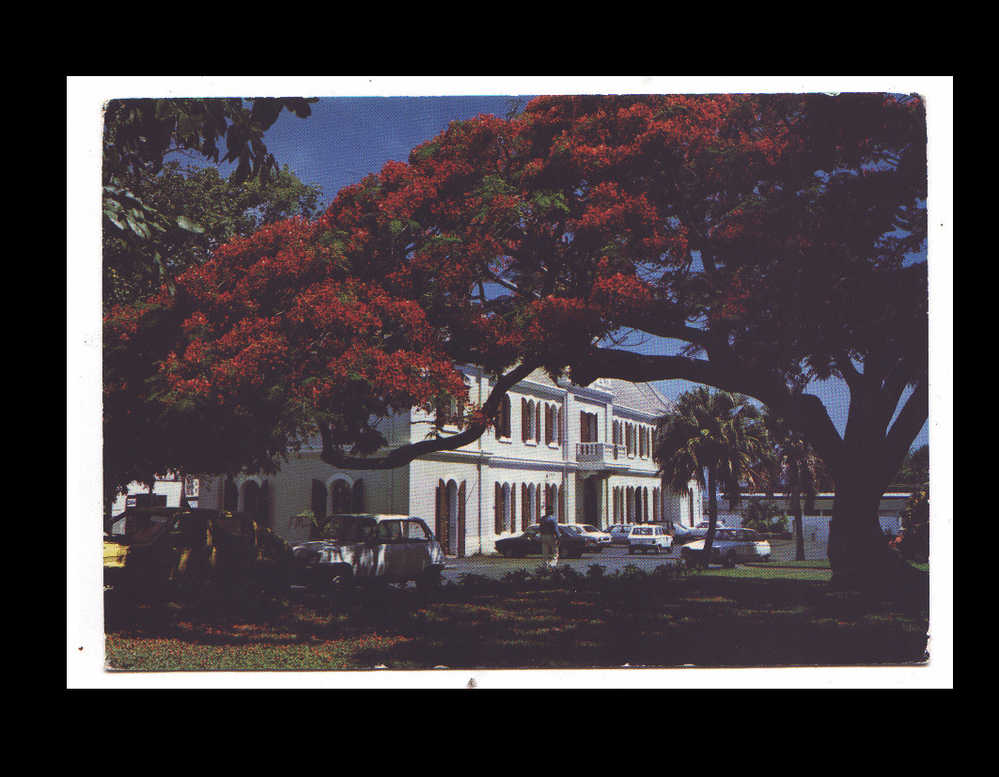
585, 453
815, 522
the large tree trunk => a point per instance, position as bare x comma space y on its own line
858, 552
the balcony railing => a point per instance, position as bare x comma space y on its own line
599, 452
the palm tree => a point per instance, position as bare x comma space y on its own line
711, 438
793, 463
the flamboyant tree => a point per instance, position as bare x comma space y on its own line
775, 238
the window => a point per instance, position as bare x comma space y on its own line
531, 423
415, 531
503, 425
549, 424
340, 497
389, 531
588, 431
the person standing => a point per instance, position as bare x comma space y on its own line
550, 537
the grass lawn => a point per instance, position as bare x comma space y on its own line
748, 616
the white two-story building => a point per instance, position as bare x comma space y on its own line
583, 453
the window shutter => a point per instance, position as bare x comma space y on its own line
525, 508
440, 522
461, 519
525, 419
358, 497
537, 422
498, 510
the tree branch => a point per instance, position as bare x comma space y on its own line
806, 410
336, 457
907, 425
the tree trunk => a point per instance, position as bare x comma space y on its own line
712, 515
799, 530
858, 552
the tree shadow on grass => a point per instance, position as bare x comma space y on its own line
639, 621
702, 621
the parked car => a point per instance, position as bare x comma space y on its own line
730, 546
365, 548
572, 544
619, 533
159, 549
649, 538
596, 540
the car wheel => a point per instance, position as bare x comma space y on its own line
336, 581
429, 581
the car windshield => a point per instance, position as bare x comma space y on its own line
587, 527
569, 528
351, 529
144, 526
642, 530
725, 534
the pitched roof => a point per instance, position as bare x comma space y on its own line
642, 397
637, 396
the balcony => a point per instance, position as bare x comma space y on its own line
595, 455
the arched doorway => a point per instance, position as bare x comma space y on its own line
591, 501
230, 496
450, 518
264, 505
251, 499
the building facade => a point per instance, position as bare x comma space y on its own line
583, 453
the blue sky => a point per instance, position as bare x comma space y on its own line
347, 138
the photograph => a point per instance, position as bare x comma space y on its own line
486, 382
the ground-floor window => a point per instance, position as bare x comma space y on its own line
340, 498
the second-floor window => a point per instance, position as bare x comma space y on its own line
588, 431
503, 425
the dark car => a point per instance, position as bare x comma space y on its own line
160, 548
571, 543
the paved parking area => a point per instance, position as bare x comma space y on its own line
613, 558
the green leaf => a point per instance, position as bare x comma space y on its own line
185, 223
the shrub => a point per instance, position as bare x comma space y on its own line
913, 542
596, 573
519, 578
765, 517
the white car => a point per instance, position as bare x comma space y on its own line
619, 533
595, 539
391, 548
731, 546
649, 538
